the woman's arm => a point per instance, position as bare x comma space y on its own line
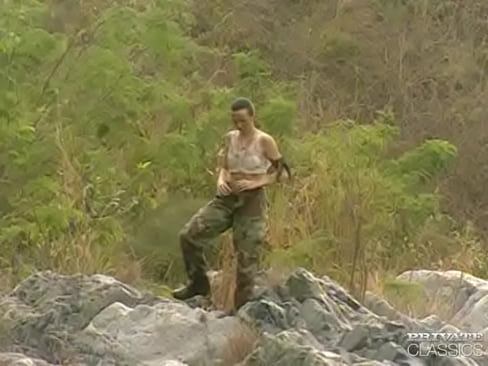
224, 176
222, 159
273, 154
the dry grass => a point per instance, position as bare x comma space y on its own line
298, 214
240, 344
410, 298
322, 210
223, 282
428, 60
438, 306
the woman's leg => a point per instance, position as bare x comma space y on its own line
210, 221
249, 230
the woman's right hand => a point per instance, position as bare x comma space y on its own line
223, 188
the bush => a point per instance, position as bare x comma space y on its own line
108, 135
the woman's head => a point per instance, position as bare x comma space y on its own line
243, 114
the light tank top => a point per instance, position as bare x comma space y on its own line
246, 160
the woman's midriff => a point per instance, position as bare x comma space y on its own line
250, 202
234, 177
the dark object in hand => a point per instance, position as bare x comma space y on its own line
279, 165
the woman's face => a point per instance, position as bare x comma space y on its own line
242, 120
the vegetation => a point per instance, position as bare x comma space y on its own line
111, 117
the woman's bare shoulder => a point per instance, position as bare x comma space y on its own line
265, 137
231, 133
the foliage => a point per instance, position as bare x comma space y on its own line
108, 134
428, 60
357, 206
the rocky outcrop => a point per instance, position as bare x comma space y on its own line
151, 334
95, 320
19, 359
318, 323
467, 294
43, 313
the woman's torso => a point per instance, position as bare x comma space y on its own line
246, 160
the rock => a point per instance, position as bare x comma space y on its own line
335, 321
43, 311
18, 359
155, 334
392, 352
355, 339
95, 320
321, 322
298, 348
457, 361
264, 314
433, 322
381, 307
467, 295
473, 314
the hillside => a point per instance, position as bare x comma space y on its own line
112, 114
427, 60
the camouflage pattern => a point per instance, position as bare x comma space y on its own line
245, 213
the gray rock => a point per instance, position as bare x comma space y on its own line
294, 348
43, 311
96, 320
433, 322
318, 319
474, 316
151, 335
467, 294
392, 352
264, 314
457, 361
355, 339
302, 285
380, 306
18, 359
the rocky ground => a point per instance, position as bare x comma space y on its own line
51, 319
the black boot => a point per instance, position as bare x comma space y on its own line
201, 286
195, 268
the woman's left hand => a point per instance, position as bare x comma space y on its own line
246, 185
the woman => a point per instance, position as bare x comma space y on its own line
250, 160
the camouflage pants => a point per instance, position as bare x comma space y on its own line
245, 213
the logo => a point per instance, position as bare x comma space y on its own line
443, 344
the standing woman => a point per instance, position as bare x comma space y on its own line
250, 160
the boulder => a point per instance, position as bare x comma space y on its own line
97, 320
150, 335
18, 359
309, 316
305, 320
466, 294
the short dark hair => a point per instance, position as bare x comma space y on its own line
243, 103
